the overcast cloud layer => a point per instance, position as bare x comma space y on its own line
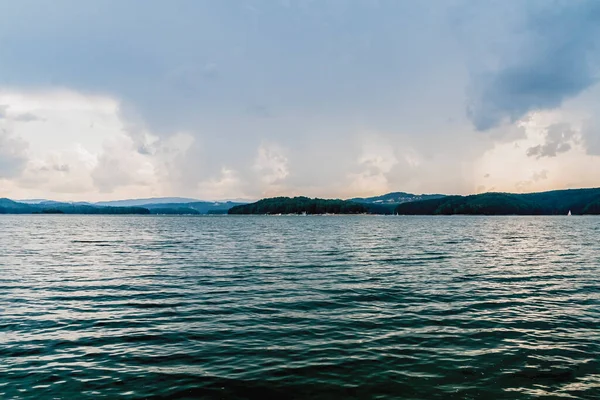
245, 99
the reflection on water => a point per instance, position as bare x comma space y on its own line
299, 307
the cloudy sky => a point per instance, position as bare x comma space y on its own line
232, 99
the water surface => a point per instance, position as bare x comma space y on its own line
299, 307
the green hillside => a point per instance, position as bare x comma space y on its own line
299, 205
557, 202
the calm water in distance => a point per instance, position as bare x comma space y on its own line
299, 307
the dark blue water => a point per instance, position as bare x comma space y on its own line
299, 307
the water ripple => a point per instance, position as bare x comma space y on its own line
285, 307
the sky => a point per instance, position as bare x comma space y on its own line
244, 99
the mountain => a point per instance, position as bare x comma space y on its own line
396, 198
300, 205
143, 202
167, 205
386, 204
32, 201
556, 202
196, 207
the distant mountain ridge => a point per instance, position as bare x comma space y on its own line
8, 206
396, 198
143, 202
168, 205
31, 201
196, 207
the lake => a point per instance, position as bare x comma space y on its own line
320, 307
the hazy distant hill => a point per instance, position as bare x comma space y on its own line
175, 205
557, 202
197, 207
8, 206
32, 201
143, 202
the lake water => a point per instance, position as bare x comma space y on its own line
299, 307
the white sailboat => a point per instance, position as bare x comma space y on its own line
569, 214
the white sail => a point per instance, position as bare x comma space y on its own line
569, 213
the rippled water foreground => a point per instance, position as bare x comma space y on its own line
299, 307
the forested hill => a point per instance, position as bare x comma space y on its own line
299, 205
557, 202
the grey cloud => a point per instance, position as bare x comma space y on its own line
540, 176
547, 150
61, 167
3, 108
144, 149
27, 117
557, 141
56, 167
545, 59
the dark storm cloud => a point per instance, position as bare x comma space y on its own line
550, 56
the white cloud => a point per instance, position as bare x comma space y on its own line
120, 164
271, 165
375, 162
13, 154
511, 167
226, 186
